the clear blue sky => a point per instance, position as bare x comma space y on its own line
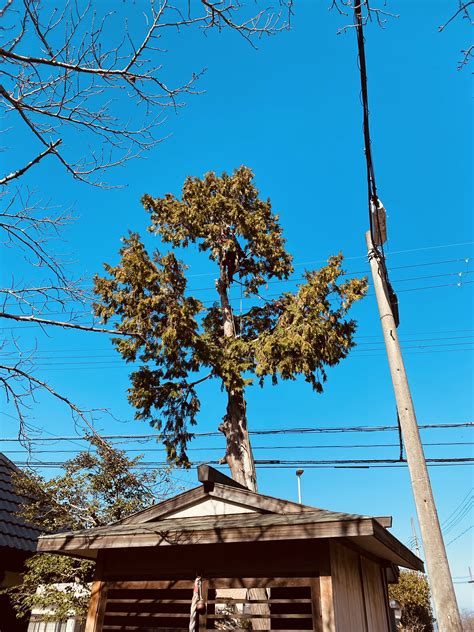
291, 111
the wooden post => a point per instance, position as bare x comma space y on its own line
324, 617
444, 598
98, 600
96, 610
328, 618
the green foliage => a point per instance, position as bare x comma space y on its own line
311, 332
179, 342
96, 488
224, 216
147, 293
413, 593
56, 584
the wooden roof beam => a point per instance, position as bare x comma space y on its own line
208, 475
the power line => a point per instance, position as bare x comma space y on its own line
86, 301
425, 248
110, 353
460, 535
353, 258
255, 448
458, 515
256, 298
419, 333
379, 355
467, 497
446, 344
342, 463
64, 300
421, 340
359, 337
466, 512
273, 431
111, 359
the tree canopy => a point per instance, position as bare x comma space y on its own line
180, 342
413, 594
98, 486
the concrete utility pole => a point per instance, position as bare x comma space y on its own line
444, 598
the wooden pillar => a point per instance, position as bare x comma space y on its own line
95, 614
324, 619
97, 603
328, 619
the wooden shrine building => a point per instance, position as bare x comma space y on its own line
265, 563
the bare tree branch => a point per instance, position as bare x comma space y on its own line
464, 9
14, 371
65, 324
62, 81
347, 7
468, 53
76, 67
35, 161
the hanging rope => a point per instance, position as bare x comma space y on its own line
197, 604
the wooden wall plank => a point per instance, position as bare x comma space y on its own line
376, 604
348, 596
151, 585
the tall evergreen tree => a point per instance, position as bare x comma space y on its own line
180, 342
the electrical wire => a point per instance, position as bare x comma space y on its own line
272, 431
276, 464
256, 448
110, 353
467, 497
460, 535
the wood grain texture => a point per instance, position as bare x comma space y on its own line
375, 599
347, 588
328, 615
251, 528
96, 610
316, 605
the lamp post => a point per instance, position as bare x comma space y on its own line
298, 475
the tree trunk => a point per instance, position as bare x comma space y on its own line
239, 456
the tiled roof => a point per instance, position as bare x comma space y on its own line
15, 533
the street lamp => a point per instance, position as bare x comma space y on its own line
299, 473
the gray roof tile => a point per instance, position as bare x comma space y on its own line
15, 533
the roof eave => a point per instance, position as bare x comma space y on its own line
366, 532
328, 529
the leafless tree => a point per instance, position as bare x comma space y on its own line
370, 11
66, 66
463, 11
